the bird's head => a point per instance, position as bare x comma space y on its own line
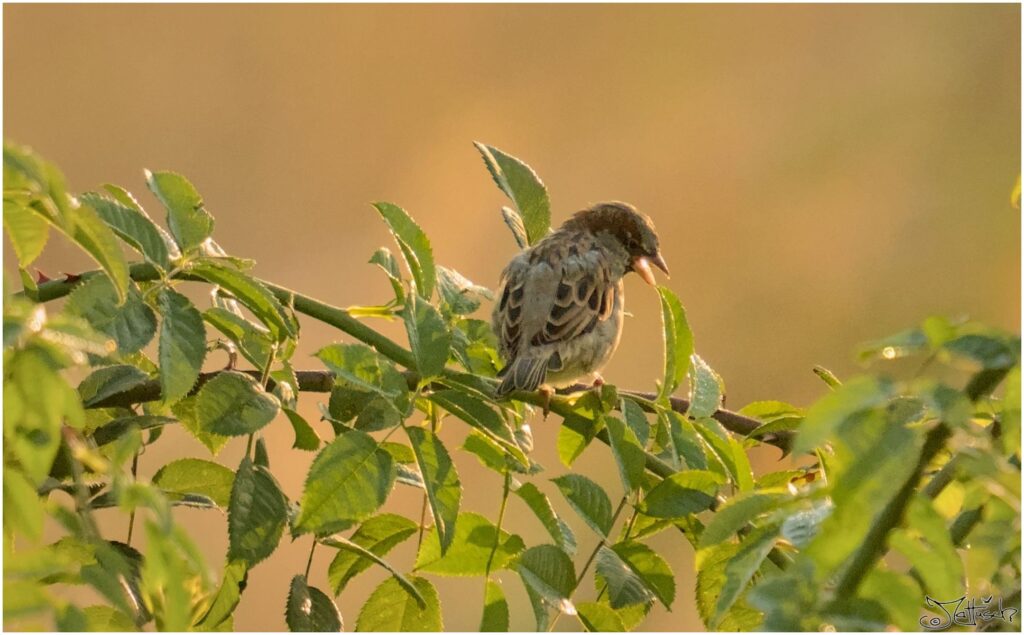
630, 228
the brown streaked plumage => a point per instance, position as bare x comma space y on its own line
560, 308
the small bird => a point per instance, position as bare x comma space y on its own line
559, 317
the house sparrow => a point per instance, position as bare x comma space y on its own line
559, 317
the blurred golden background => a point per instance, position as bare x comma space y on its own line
819, 175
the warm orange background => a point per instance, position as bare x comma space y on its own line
819, 175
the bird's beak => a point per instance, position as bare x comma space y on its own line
642, 265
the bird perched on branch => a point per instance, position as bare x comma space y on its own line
559, 316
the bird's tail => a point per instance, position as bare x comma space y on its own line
525, 374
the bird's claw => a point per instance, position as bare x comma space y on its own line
545, 395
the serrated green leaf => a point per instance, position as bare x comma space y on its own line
927, 546
523, 187
637, 421
741, 568
342, 543
899, 594
414, 244
822, 419
599, 618
23, 510
196, 476
428, 337
705, 389
515, 224
629, 455
257, 514
106, 619
182, 345
133, 227
27, 229
92, 234
481, 416
683, 493
108, 381
310, 610
349, 479
711, 577
37, 402
234, 404
652, 570
678, 342
470, 550
377, 535
541, 506
185, 411
989, 351
250, 292
253, 341
495, 617
359, 367
588, 499
624, 586
236, 574
737, 512
187, 218
489, 453
391, 609
574, 435
386, 261
306, 437
549, 572
131, 325
444, 490
459, 294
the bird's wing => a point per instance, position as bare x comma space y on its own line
558, 294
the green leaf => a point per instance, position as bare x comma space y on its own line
588, 499
855, 396
683, 493
899, 594
359, 367
108, 381
460, 295
383, 259
737, 512
629, 455
226, 598
652, 570
349, 479
92, 234
545, 512
549, 572
27, 229
185, 411
196, 476
37, 401
678, 342
428, 337
902, 344
310, 610
705, 389
489, 453
253, 341
478, 414
257, 514
444, 490
625, 587
495, 617
189, 221
988, 350
182, 345
306, 437
574, 435
378, 535
250, 292
391, 609
741, 568
342, 543
23, 510
134, 227
131, 325
414, 244
637, 421
599, 618
515, 224
711, 577
470, 550
927, 546
523, 187
105, 619
234, 404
